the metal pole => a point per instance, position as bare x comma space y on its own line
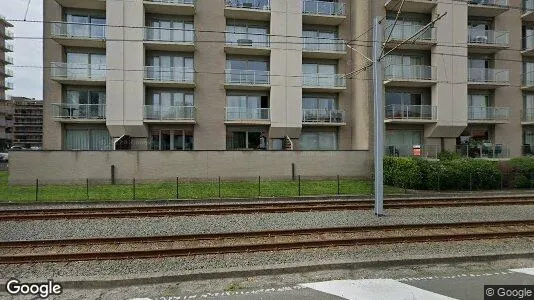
259, 186
219, 186
338, 190
378, 92
87, 188
299, 185
36, 189
177, 188
133, 189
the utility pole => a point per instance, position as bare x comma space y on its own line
378, 96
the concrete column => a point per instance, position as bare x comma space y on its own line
286, 69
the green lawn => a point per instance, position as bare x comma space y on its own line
187, 190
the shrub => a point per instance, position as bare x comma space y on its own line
521, 172
402, 172
448, 155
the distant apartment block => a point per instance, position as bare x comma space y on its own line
6, 124
217, 74
6, 47
27, 122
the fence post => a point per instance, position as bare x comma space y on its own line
502, 181
299, 185
177, 188
470, 182
338, 189
439, 181
36, 189
219, 186
87, 188
259, 186
133, 189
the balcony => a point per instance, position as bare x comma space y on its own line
7, 60
484, 150
314, 47
488, 115
528, 82
487, 8
528, 10
259, 10
169, 114
486, 78
248, 116
425, 40
73, 73
528, 116
323, 12
6, 72
409, 76
79, 113
412, 6
178, 7
427, 151
6, 85
326, 83
79, 34
7, 47
323, 117
414, 114
169, 39
156, 76
8, 34
247, 80
247, 44
84, 4
487, 41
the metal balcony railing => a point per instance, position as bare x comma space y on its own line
528, 79
323, 116
174, 35
156, 73
79, 111
8, 47
411, 112
248, 40
427, 151
8, 72
7, 85
500, 3
324, 80
488, 37
79, 30
159, 112
8, 60
487, 75
483, 150
250, 4
328, 8
528, 42
404, 31
247, 77
528, 115
410, 72
528, 6
484, 113
322, 44
77, 71
247, 114
9, 34
176, 2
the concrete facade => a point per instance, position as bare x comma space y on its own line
76, 166
456, 87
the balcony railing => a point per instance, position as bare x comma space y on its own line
407, 72
8, 47
8, 72
500, 3
405, 31
483, 150
158, 112
322, 44
411, 112
247, 114
528, 79
324, 80
8, 34
323, 116
428, 151
483, 113
250, 4
486, 75
247, 77
248, 40
79, 111
156, 73
488, 37
8, 59
79, 30
328, 8
176, 2
175, 35
77, 71
528, 115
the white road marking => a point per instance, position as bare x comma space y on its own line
529, 271
373, 289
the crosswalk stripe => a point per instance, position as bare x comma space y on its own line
529, 271
374, 289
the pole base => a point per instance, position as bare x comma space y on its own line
381, 215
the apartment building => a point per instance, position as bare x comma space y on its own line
6, 124
221, 74
5, 59
27, 122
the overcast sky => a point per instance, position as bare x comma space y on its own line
28, 81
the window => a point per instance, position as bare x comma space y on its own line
478, 31
172, 140
169, 105
321, 39
407, 25
86, 103
318, 141
401, 142
401, 104
86, 26
170, 30
87, 139
244, 34
528, 36
247, 71
320, 74
245, 139
171, 68
247, 107
86, 65
478, 106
